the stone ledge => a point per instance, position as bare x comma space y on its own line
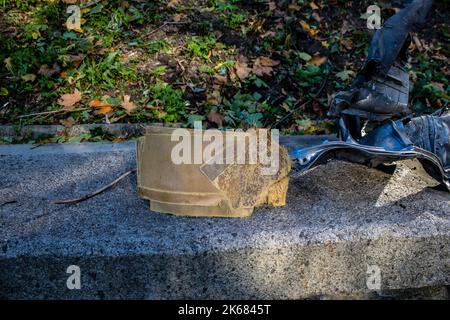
340, 219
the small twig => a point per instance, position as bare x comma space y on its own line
90, 195
324, 83
51, 112
36, 146
163, 25
296, 109
293, 111
90, 4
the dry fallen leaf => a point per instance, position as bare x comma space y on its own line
178, 17
68, 123
77, 59
216, 118
64, 74
316, 17
218, 79
438, 86
314, 6
417, 42
269, 34
45, 70
345, 27
172, 4
312, 33
318, 60
100, 106
29, 77
68, 100
267, 62
242, 70
127, 104
97, 103
73, 60
213, 97
347, 43
294, 7
272, 5
264, 66
104, 110
8, 63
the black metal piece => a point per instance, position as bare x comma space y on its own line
425, 138
389, 44
377, 96
380, 90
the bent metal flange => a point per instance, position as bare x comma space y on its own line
393, 145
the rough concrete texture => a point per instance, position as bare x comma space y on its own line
339, 219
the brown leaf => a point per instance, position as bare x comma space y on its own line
64, 74
213, 97
242, 70
104, 110
316, 16
172, 4
345, 27
294, 7
77, 59
178, 17
317, 108
73, 60
417, 42
100, 106
317, 60
269, 34
264, 66
347, 43
8, 63
68, 100
68, 123
216, 118
314, 6
97, 103
438, 86
218, 79
272, 5
127, 104
45, 70
266, 62
312, 33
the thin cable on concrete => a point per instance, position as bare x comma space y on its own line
93, 194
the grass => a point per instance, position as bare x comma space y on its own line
201, 47
168, 103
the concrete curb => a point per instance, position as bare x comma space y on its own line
38, 131
329, 241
